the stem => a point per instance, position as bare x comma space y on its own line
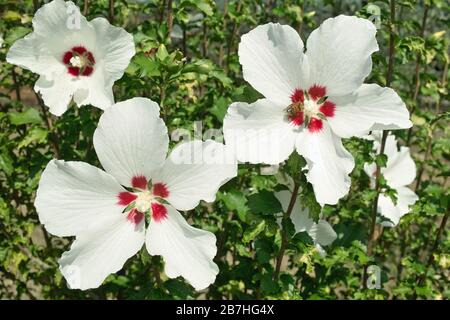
300, 23
162, 97
169, 17
389, 75
157, 274
425, 159
49, 125
36, 5
416, 90
205, 40
443, 84
48, 242
85, 7
111, 11
16, 85
224, 27
161, 12
222, 238
184, 45
284, 237
233, 35
422, 277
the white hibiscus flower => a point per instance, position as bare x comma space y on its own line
75, 59
106, 211
321, 232
400, 171
312, 100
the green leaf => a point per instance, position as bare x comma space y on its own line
12, 16
15, 34
294, 165
381, 160
253, 232
235, 201
6, 163
30, 116
205, 7
288, 227
178, 288
219, 108
264, 203
202, 66
35, 135
147, 66
162, 53
269, 286
222, 77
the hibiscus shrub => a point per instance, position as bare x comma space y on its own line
332, 117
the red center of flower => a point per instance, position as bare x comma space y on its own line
139, 182
79, 61
310, 107
134, 216
144, 200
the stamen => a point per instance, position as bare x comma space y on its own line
79, 61
310, 108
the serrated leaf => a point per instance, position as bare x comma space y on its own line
30, 116
35, 135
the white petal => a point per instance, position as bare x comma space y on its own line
195, 171
40, 52
258, 132
371, 107
328, 162
53, 16
101, 251
400, 168
322, 233
31, 53
339, 53
299, 216
95, 90
131, 139
271, 57
56, 94
113, 49
116, 48
74, 195
187, 251
387, 208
